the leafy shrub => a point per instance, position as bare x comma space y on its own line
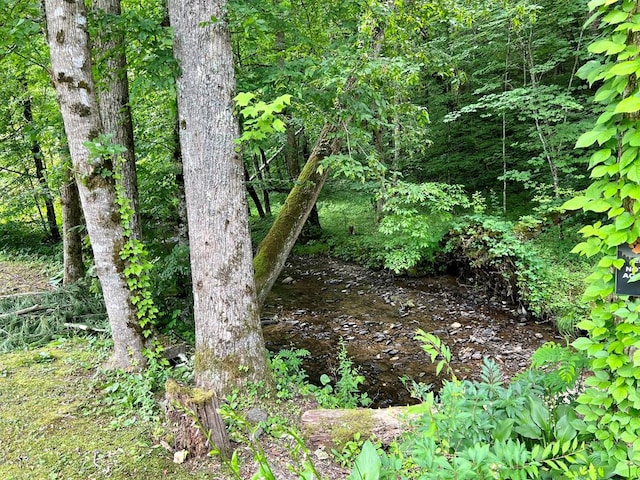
417, 216
344, 393
486, 430
486, 249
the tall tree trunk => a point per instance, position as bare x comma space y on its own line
71, 222
276, 246
229, 344
71, 75
36, 151
113, 98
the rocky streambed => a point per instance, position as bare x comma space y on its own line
319, 302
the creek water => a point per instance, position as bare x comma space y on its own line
319, 303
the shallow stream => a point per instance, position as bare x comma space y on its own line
318, 302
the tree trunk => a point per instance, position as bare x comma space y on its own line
71, 222
71, 75
253, 194
36, 151
229, 344
276, 246
113, 98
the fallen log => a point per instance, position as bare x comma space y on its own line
331, 428
86, 328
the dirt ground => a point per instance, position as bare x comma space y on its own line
19, 277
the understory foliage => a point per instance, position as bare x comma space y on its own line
416, 218
487, 250
611, 403
484, 429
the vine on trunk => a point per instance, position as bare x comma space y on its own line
137, 265
611, 404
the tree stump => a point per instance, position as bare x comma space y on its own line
194, 419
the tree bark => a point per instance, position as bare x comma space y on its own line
71, 223
276, 246
189, 412
229, 344
71, 75
333, 427
113, 98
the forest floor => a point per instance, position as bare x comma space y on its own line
54, 423
21, 277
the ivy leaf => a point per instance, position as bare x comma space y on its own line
634, 173
575, 203
587, 139
628, 105
615, 16
616, 238
599, 157
624, 68
598, 206
624, 221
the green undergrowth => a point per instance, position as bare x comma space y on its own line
51, 426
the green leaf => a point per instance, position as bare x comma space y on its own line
575, 203
367, 465
633, 173
598, 206
624, 221
587, 139
628, 105
615, 16
599, 157
634, 139
244, 98
624, 68
582, 343
616, 238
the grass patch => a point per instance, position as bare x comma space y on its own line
51, 427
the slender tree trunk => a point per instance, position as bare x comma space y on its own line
229, 344
265, 191
71, 223
36, 151
71, 75
113, 98
253, 194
